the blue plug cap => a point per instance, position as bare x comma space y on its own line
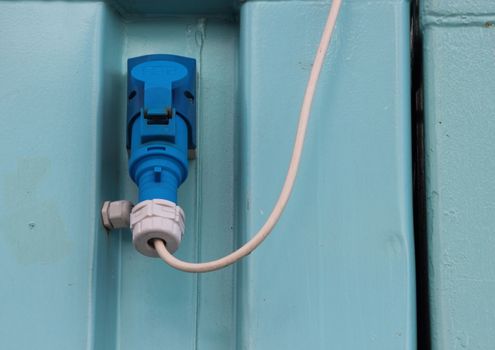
161, 123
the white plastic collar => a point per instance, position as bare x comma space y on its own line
157, 218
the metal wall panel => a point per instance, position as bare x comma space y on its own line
338, 270
459, 51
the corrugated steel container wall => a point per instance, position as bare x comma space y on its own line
338, 271
459, 64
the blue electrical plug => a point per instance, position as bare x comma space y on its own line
161, 123
161, 130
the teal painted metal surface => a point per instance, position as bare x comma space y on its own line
339, 267
459, 128
54, 172
338, 270
154, 8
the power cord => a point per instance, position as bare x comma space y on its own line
290, 178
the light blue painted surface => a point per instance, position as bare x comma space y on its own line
56, 83
459, 9
156, 8
338, 270
339, 267
460, 170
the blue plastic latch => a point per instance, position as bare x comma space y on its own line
161, 123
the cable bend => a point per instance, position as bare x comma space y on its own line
285, 193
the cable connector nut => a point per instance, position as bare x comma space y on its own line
115, 215
157, 219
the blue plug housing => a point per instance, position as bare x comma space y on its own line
161, 123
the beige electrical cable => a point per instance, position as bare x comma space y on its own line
291, 173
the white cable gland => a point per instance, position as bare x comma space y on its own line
157, 219
115, 215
